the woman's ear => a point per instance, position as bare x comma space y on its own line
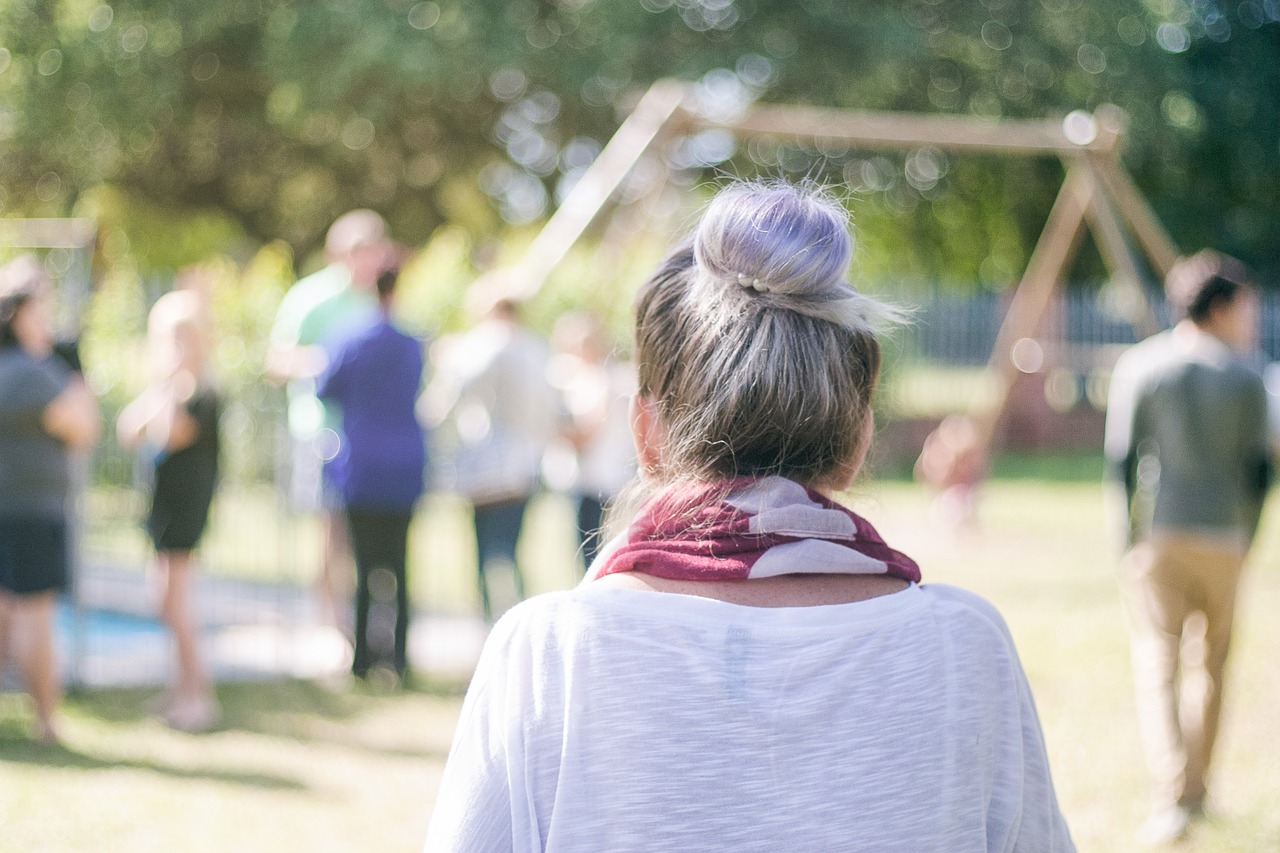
647, 433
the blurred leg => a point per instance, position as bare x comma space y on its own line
485, 552
337, 570
392, 589
511, 521
497, 535
306, 498
395, 558
1204, 664
380, 539
364, 538
8, 603
1157, 610
193, 705
34, 649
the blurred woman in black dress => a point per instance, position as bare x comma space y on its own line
175, 423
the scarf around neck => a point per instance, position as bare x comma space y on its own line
749, 528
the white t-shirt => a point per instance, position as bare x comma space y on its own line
598, 395
606, 719
491, 382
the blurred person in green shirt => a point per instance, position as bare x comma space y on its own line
319, 309
1187, 447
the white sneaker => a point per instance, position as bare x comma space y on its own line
1166, 826
193, 715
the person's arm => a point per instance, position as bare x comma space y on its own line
1259, 464
159, 418
290, 354
131, 425
473, 809
1041, 827
334, 381
1120, 449
452, 363
73, 417
1022, 801
296, 362
283, 337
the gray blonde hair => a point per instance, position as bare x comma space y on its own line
758, 355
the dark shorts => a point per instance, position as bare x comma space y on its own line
33, 555
177, 519
176, 530
180, 504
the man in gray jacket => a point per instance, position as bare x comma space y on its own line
1187, 439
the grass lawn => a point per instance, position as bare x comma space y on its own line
302, 766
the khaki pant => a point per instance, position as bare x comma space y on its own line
1181, 592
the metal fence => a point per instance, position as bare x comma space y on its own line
961, 330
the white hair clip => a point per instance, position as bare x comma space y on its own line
754, 283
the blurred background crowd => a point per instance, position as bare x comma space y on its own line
150, 149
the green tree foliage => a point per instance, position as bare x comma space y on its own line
279, 114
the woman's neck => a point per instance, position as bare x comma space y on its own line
782, 591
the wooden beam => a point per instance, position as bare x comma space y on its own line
1108, 233
1154, 239
631, 217
865, 129
48, 233
599, 182
1054, 250
663, 109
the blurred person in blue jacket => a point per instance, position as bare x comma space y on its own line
374, 376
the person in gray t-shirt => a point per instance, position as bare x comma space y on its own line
46, 411
1187, 446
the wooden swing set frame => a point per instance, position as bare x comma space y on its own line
1096, 192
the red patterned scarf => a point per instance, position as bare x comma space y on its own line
749, 528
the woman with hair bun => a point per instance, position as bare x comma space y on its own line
749, 666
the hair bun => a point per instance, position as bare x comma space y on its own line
792, 243
776, 238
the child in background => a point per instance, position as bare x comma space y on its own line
596, 390
174, 423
